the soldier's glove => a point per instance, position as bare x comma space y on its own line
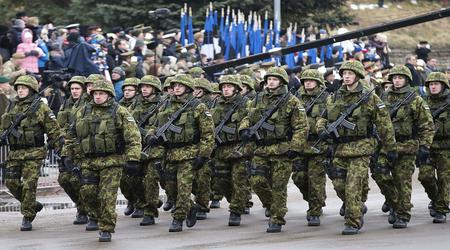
392, 156
323, 135
151, 140
199, 162
291, 154
245, 135
132, 168
423, 154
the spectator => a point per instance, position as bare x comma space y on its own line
118, 77
422, 50
410, 63
13, 36
431, 65
31, 50
12, 69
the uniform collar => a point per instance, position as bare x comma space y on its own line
279, 91
405, 89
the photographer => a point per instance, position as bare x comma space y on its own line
422, 50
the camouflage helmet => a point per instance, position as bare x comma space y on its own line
277, 72
355, 66
400, 70
94, 77
215, 87
167, 82
103, 85
203, 84
247, 72
437, 77
385, 81
131, 81
77, 79
184, 79
312, 74
28, 81
231, 79
152, 81
248, 81
196, 72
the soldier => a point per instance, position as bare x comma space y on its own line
69, 182
435, 175
203, 91
27, 146
196, 72
229, 173
353, 148
86, 97
188, 147
109, 139
308, 172
282, 138
248, 87
129, 89
167, 88
414, 131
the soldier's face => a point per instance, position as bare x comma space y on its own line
89, 87
348, 77
435, 87
399, 81
310, 84
228, 90
245, 89
129, 92
100, 97
178, 89
199, 92
147, 90
76, 90
273, 83
22, 91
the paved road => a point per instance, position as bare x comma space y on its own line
53, 230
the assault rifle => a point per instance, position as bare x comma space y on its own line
221, 126
393, 110
309, 106
441, 109
143, 120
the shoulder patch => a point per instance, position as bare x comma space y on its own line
51, 115
381, 105
207, 113
130, 118
425, 106
301, 109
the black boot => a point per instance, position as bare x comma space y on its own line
129, 210
247, 210
364, 209
314, 221
214, 204
400, 223
104, 236
201, 215
138, 213
147, 221
267, 212
342, 210
176, 226
26, 224
92, 225
350, 230
168, 205
80, 219
440, 218
392, 217
431, 208
234, 220
385, 208
38, 207
160, 203
191, 218
274, 228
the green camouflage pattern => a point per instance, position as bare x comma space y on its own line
131, 81
355, 66
94, 77
72, 186
248, 81
437, 77
77, 79
184, 79
204, 84
27, 80
151, 188
103, 85
402, 174
167, 82
312, 74
152, 81
277, 72
400, 70
231, 79
196, 72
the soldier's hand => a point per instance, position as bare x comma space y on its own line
423, 154
132, 168
392, 156
151, 140
245, 135
323, 135
199, 162
291, 154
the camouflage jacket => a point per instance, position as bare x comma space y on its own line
290, 121
413, 123
126, 102
442, 121
373, 112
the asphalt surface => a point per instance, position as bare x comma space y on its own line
53, 229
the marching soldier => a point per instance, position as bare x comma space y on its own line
414, 131
130, 91
248, 87
109, 139
27, 145
280, 139
435, 174
352, 148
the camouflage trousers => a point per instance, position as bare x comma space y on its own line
435, 178
350, 187
71, 185
99, 193
201, 187
180, 179
402, 173
21, 180
132, 188
269, 177
309, 176
381, 174
151, 190
230, 179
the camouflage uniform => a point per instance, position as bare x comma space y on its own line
352, 150
28, 151
435, 175
250, 83
229, 174
69, 182
308, 172
194, 142
132, 81
414, 128
270, 167
108, 137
